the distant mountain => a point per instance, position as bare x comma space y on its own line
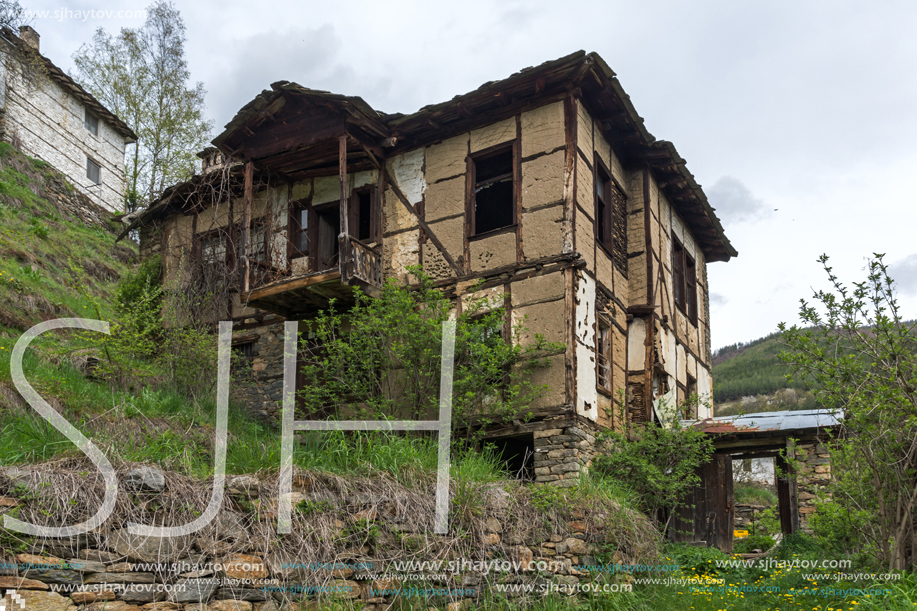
748, 377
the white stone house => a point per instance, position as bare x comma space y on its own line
56, 120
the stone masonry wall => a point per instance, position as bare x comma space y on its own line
562, 454
812, 473
49, 123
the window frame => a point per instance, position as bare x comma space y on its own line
604, 350
354, 216
90, 164
603, 218
295, 229
91, 122
511, 147
684, 280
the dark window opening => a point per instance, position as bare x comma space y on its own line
364, 216
494, 192
517, 455
244, 350
603, 206
93, 171
91, 122
213, 248
329, 227
684, 275
299, 232
604, 355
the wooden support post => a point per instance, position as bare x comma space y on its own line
650, 337
344, 236
423, 225
246, 225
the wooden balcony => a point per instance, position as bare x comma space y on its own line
358, 267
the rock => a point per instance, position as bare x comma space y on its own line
497, 497
270, 605
98, 556
21, 583
114, 605
143, 593
145, 479
574, 546
86, 566
8, 501
120, 578
83, 598
230, 605
459, 605
149, 549
120, 567
45, 601
523, 555
242, 566
241, 593
346, 589
31, 561
58, 576
194, 590
161, 606
245, 485
229, 525
492, 525
491, 539
366, 514
577, 526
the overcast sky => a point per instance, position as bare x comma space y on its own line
798, 118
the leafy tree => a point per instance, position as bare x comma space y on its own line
857, 356
141, 75
381, 359
657, 463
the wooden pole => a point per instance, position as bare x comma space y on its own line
246, 225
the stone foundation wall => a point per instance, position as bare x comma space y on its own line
261, 386
813, 472
562, 454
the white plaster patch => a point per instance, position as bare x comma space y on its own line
406, 170
636, 353
705, 393
587, 401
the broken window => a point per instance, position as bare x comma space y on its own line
610, 216
244, 351
93, 171
603, 355
494, 203
213, 248
684, 273
91, 123
364, 222
299, 231
328, 220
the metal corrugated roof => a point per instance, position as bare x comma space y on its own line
787, 420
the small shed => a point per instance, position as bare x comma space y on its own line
801, 435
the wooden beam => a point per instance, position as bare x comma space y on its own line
343, 237
290, 285
246, 223
423, 225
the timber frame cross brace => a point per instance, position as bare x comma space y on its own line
390, 180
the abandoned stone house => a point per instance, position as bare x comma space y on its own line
52, 118
545, 185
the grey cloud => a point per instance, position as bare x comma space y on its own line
904, 273
733, 201
718, 299
308, 56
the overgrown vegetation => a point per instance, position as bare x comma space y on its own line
381, 359
857, 355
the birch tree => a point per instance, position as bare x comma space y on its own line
141, 74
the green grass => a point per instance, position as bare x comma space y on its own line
753, 494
